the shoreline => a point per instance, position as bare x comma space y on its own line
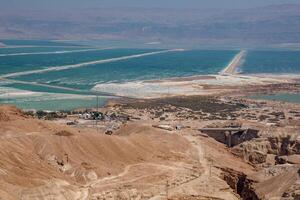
166, 133
208, 84
194, 85
227, 81
177, 138
202, 85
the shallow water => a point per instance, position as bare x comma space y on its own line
83, 79
292, 98
160, 66
271, 62
57, 104
12, 64
26, 99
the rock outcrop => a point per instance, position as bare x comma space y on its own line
256, 150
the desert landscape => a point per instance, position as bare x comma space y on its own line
177, 147
150, 100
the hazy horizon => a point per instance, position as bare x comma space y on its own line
207, 22
198, 4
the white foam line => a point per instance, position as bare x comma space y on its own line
55, 87
59, 68
13, 94
52, 52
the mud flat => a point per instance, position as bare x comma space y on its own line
197, 85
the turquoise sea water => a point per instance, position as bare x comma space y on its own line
276, 62
165, 65
81, 80
292, 98
57, 104
11, 64
271, 62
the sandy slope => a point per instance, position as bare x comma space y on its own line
42, 160
34, 161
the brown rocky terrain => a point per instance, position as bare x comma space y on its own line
156, 151
42, 160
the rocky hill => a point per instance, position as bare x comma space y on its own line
42, 160
147, 156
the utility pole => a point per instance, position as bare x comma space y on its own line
167, 190
210, 169
97, 113
97, 103
211, 162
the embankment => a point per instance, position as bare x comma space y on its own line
232, 66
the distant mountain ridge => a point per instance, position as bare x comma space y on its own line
276, 24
